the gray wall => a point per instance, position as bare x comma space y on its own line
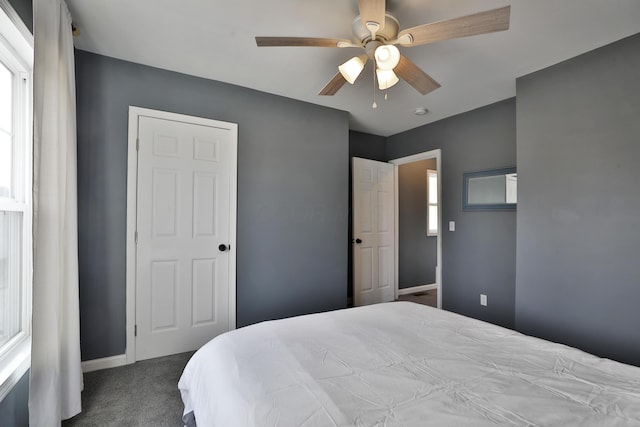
292, 194
417, 252
14, 409
578, 277
24, 8
367, 146
479, 257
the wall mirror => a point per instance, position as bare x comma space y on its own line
490, 190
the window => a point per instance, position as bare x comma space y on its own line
432, 203
16, 59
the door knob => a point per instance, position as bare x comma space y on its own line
358, 241
223, 248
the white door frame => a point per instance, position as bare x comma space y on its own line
132, 189
433, 154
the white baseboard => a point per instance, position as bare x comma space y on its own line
417, 289
104, 363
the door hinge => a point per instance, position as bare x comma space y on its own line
136, 237
137, 144
135, 330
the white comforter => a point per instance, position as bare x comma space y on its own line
401, 364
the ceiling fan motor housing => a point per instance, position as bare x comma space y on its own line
386, 32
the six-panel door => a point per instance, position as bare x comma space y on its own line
373, 232
182, 219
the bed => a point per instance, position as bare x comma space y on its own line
401, 364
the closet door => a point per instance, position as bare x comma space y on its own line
183, 230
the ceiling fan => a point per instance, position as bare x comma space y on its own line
377, 32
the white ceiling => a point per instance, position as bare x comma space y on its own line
215, 39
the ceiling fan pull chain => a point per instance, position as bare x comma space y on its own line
374, 105
386, 96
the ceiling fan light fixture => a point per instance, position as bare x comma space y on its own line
386, 78
387, 57
351, 69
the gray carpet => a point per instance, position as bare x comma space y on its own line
142, 394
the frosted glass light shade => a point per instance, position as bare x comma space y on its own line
386, 78
387, 57
351, 69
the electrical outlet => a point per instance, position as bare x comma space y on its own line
452, 226
483, 299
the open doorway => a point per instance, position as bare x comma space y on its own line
418, 228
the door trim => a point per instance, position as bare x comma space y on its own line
433, 154
132, 189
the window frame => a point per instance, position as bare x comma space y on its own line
432, 232
16, 53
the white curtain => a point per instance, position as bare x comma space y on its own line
56, 375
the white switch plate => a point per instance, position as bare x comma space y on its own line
483, 299
452, 226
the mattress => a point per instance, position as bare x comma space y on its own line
401, 364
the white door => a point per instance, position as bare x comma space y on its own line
373, 232
183, 235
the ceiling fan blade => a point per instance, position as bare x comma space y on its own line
372, 11
470, 25
414, 75
302, 41
334, 85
